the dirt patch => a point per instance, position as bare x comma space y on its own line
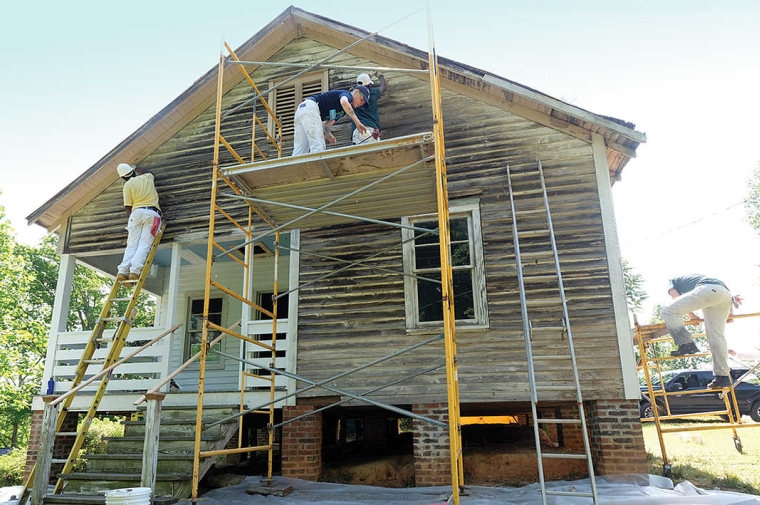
482, 466
392, 471
485, 467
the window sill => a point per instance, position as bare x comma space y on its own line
430, 330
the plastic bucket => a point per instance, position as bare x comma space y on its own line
128, 496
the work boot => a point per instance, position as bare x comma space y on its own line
686, 349
720, 382
133, 276
121, 277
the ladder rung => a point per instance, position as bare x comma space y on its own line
59, 461
113, 319
532, 233
552, 357
95, 361
530, 211
66, 433
536, 254
559, 455
548, 328
559, 421
550, 387
122, 299
570, 493
544, 302
526, 192
103, 339
538, 278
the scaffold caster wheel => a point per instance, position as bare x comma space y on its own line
738, 444
667, 470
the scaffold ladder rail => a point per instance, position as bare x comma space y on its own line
564, 330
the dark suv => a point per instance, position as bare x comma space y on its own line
747, 394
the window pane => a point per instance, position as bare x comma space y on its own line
196, 323
214, 305
429, 298
420, 237
464, 305
458, 229
427, 256
460, 254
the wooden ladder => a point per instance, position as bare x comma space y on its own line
96, 341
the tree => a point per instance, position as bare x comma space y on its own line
634, 292
752, 201
23, 336
28, 277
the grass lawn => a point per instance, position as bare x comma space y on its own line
708, 458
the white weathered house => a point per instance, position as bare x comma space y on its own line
359, 315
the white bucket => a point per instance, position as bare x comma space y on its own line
128, 496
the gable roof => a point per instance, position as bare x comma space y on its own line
620, 136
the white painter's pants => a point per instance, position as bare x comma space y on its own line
715, 302
308, 136
139, 239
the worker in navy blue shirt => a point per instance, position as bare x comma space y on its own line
316, 114
697, 292
369, 115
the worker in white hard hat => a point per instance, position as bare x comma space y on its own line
141, 204
369, 115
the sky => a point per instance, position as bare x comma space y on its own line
81, 76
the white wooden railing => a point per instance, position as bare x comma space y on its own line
139, 373
263, 330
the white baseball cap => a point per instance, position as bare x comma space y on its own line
364, 80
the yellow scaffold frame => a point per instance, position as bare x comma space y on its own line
218, 178
648, 334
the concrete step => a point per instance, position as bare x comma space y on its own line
190, 412
170, 444
132, 463
172, 427
96, 499
178, 485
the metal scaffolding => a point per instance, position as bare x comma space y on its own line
650, 364
411, 164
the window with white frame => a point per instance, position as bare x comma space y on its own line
285, 99
422, 266
194, 332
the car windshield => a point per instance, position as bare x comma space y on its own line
666, 376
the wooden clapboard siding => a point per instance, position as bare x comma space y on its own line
363, 310
357, 316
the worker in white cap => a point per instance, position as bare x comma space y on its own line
141, 204
316, 114
369, 115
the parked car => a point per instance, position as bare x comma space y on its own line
747, 394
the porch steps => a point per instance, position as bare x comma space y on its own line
121, 466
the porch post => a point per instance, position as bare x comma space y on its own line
61, 305
150, 449
172, 298
45, 454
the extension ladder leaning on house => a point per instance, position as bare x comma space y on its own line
552, 311
97, 339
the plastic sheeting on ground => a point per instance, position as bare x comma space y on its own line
615, 489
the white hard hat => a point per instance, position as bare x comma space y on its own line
364, 80
124, 169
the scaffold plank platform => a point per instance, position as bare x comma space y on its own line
313, 180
